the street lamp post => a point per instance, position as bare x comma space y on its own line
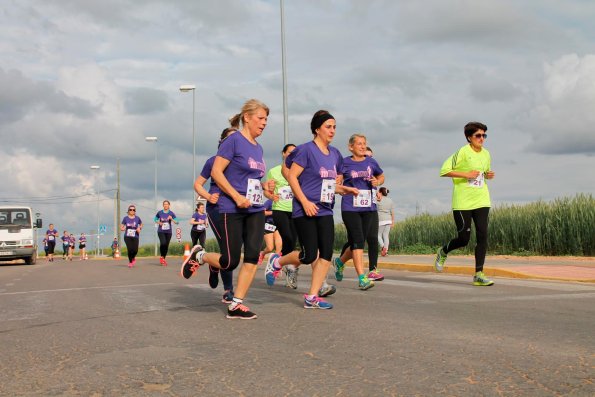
186, 88
154, 139
96, 168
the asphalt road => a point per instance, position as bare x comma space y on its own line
97, 328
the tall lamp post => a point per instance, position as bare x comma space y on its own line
96, 168
187, 88
154, 139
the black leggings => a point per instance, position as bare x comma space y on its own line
213, 216
198, 236
317, 236
480, 217
372, 240
131, 247
239, 229
164, 239
286, 229
51, 247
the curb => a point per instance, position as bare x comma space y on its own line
467, 270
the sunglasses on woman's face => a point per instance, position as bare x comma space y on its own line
132, 209
477, 136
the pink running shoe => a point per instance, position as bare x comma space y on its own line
260, 258
374, 275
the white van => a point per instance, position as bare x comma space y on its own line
17, 238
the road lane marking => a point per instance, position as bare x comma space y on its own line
82, 288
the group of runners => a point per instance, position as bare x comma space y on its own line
290, 210
299, 210
68, 241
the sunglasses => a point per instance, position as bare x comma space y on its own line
484, 136
132, 209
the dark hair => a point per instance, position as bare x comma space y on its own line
318, 119
198, 205
286, 147
225, 133
384, 191
472, 127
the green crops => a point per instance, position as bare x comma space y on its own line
565, 226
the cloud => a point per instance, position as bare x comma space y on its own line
562, 120
146, 100
20, 96
492, 89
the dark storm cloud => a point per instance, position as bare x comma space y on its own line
20, 96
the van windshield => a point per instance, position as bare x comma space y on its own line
15, 217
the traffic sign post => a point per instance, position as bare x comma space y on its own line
179, 234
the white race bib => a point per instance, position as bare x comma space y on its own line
131, 232
285, 193
363, 199
327, 191
477, 182
51, 238
254, 192
269, 227
165, 226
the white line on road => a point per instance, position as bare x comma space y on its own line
82, 288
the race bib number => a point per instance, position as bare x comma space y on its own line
130, 232
254, 192
327, 192
201, 227
165, 226
285, 193
363, 199
51, 238
477, 182
374, 197
269, 227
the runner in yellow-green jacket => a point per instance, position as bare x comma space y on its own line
470, 168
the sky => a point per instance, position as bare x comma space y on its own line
84, 82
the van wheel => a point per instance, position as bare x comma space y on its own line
30, 260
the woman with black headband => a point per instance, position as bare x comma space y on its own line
312, 171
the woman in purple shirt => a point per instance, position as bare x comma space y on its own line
364, 174
131, 226
164, 219
237, 170
312, 172
83, 246
51, 235
213, 216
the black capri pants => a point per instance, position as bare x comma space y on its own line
358, 227
480, 217
239, 229
164, 239
286, 229
131, 247
317, 236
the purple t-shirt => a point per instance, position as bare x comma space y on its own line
318, 167
82, 240
52, 234
197, 217
130, 226
206, 173
72, 240
166, 226
246, 165
65, 240
357, 174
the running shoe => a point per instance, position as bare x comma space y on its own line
291, 276
161, 260
270, 273
375, 275
440, 259
133, 262
365, 283
213, 277
227, 297
316, 303
191, 264
130, 265
242, 312
260, 258
164, 262
481, 280
327, 290
339, 267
